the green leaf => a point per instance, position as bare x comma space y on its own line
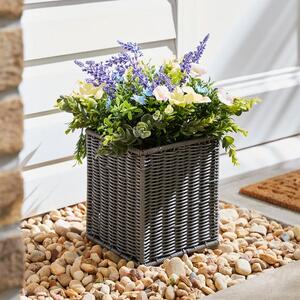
227, 141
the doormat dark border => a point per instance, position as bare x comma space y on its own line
282, 190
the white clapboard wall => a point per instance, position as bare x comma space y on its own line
253, 50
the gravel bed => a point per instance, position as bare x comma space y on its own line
62, 264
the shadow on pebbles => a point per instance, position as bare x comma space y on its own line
61, 263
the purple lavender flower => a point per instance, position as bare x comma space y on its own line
131, 47
193, 56
162, 79
137, 72
112, 70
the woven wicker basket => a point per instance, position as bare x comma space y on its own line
151, 204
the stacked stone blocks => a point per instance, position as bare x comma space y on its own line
11, 143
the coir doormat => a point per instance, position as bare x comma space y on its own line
283, 190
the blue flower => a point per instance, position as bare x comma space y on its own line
147, 92
139, 99
201, 90
108, 103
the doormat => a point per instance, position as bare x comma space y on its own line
283, 190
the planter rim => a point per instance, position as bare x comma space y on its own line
159, 148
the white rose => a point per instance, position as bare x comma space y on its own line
188, 89
197, 71
225, 97
195, 98
88, 90
161, 92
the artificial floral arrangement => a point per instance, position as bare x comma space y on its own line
134, 104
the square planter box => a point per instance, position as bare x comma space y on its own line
151, 204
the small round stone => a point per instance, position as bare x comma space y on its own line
296, 231
78, 275
57, 269
268, 258
297, 254
37, 256
258, 229
64, 279
175, 266
243, 267
228, 215
226, 248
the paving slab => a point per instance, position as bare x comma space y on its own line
229, 192
278, 284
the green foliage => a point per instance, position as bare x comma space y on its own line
126, 123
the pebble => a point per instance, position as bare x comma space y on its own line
268, 258
61, 227
142, 296
55, 215
258, 229
220, 281
207, 290
76, 227
57, 269
229, 235
296, 231
62, 263
44, 271
256, 267
175, 266
243, 267
285, 237
73, 236
70, 257
228, 215
37, 256
112, 256
297, 254
107, 297
87, 280
88, 268
78, 275
226, 248
64, 279
40, 237
29, 289
170, 293
88, 296
33, 278
241, 222
77, 286
241, 232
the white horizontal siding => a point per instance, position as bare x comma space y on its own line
45, 139
62, 184
247, 37
52, 187
42, 84
54, 31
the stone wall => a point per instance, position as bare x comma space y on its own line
11, 142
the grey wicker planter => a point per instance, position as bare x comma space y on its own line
156, 203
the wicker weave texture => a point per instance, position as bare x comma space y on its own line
152, 204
